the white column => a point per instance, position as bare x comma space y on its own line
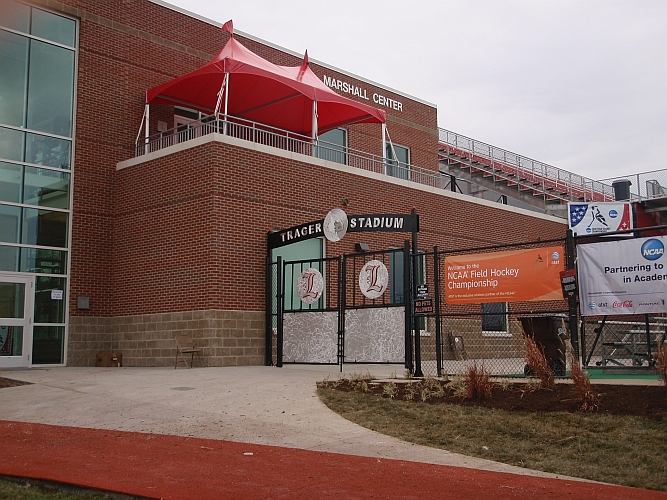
384, 148
148, 113
314, 127
226, 102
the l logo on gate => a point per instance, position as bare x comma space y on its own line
373, 279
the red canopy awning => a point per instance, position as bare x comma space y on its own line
263, 92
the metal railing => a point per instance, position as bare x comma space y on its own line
289, 141
645, 185
525, 173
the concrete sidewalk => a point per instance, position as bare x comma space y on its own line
254, 404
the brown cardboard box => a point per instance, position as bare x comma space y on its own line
109, 359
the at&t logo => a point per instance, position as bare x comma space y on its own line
653, 249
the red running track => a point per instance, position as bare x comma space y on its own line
174, 467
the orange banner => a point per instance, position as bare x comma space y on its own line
510, 276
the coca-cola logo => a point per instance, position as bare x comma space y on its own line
626, 304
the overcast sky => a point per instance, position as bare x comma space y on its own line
580, 85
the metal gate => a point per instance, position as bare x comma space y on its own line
342, 325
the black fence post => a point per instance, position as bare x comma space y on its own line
438, 333
342, 291
268, 357
648, 340
279, 312
572, 301
406, 301
413, 298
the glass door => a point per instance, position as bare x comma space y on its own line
16, 294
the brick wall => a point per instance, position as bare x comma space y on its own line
190, 227
227, 338
186, 233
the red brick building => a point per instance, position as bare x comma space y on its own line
174, 240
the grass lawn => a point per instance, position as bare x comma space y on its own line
618, 449
28, 490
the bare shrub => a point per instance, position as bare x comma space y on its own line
390, 389
478, 383
589, 401
360, 382
458, 385
537, 362
411, 390
661, 361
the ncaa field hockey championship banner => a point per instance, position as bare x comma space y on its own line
509, 276
622, 277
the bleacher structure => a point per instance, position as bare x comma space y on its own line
530, 182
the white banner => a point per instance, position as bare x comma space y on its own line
595, 218
622, 277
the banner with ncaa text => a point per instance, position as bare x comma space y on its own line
509, 276
622, 277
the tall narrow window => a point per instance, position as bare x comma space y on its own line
37, 87
332, 146
398, 163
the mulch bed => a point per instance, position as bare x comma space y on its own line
637, 400
8, 382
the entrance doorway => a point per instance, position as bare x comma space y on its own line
16, 310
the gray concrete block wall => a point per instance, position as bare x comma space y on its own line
228, 338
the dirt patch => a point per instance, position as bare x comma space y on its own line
641, 401
8, 382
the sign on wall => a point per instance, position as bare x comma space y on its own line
622, 277
337, 224
595, 218
508, 276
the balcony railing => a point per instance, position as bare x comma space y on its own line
289, 141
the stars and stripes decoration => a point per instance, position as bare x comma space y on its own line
599, 217
577, 213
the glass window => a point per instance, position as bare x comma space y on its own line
302, 250
12, 296
43, 227
13, 78
48, 344
47, 151
333, 146
11, 179
11, 144
9, 258
15, 16
396, 275
49, 299
44, 261
494, 317
53, 27
10, 227
51, 85
48, 188
11, 340
398, 161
